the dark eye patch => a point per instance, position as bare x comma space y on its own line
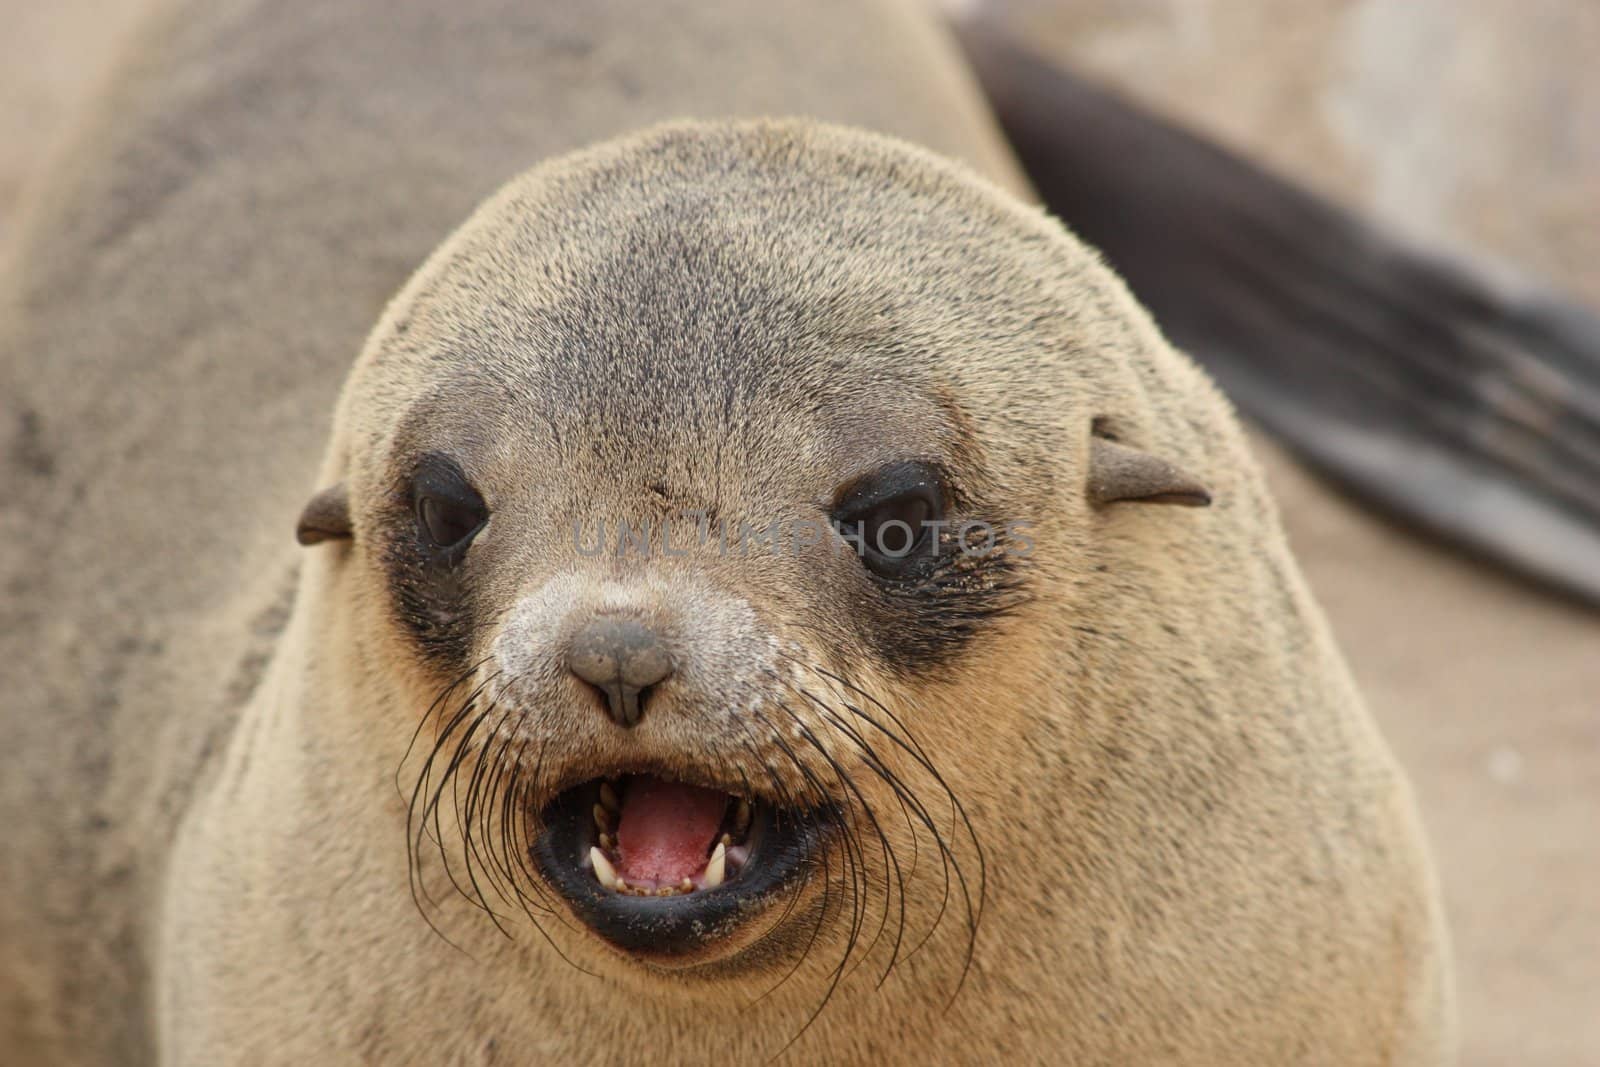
936, 593
436, 516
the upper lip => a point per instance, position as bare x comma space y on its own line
782, 842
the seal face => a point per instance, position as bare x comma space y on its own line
669, 462
660, 464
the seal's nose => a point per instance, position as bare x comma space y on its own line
622, 659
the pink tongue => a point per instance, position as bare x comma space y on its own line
666, 830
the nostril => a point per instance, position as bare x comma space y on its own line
645, 662
622, 659
595, 666
644, 694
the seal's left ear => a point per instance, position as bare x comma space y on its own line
326, 517
1117, 472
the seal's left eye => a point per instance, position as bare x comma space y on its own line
449, 511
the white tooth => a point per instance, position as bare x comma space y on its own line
602, 868
714, 869
608, 797
602, 817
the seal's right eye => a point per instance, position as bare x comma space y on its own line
891, 516
449, 511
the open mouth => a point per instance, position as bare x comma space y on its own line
665, 867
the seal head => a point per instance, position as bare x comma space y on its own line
704, 475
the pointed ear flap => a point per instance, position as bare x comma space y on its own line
326, 517
1117, 472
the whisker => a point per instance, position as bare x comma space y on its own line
891, 864
902, 739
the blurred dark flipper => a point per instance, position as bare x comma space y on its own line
1433, 391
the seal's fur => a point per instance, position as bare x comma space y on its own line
1194, 847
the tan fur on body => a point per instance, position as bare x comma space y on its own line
1197, 848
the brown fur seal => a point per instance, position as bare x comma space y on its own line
1108, 796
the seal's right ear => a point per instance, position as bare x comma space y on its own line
1117, 472
326, 517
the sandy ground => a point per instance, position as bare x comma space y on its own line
1470, 123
